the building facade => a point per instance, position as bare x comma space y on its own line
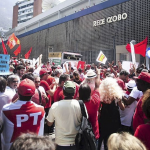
107, 26
25, 10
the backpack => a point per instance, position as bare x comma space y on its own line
85, 138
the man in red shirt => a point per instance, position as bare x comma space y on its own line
23, 116
58, 95
143, 84
50, 92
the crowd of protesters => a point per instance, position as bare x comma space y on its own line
40, 100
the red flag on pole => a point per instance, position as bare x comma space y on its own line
12, 41
18, 50
28, 53
139, 48
4, 48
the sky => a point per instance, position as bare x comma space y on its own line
6, 13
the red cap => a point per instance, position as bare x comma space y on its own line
26, 87
145, 76
88, 66
43, 70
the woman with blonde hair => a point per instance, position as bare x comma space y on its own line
124, 141
109, 121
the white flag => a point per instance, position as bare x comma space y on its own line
101, 58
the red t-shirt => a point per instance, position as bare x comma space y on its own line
50, 79
92, 107
143, 133
139, 116
58, 94
45, 85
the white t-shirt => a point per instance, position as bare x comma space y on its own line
67, 116
10, 92
127, 114
135, 93
21, 117
4, 99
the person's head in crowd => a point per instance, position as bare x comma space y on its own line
26, 63
20, 70
63, 78
110, 90
76, 76
12, 81
90, 79
29, 63
71, 77
115, 67
57, 73
48, 63
144, 70
72, 69
69, 89
139, 70
84, 92
130, 85
80, 70
88, 67
143, 81
33, 142
124, 75
146, 104
124, 141
37, 81
26, 89
44, 74
28, 75
3, 84
53, 68
30, 69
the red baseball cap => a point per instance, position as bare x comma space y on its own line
145, 76
88, 66
43, 70
26, 87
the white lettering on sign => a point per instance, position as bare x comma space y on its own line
24, 117
110, 19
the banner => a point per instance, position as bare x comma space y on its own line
127, 65
12, 41
4, 64
4, 48
101, 58
81, 65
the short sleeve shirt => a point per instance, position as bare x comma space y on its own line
67, 116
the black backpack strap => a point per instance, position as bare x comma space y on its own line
82, 108
40, 98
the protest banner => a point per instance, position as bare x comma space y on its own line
4, 64
101, 58
127, 65
73, 65
81, 65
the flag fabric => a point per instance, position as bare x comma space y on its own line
148, 52
12, 41
18, 50
139, 48
28, 53
4, 48
101, 58
81, 65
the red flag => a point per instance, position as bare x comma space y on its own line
4, 48
28, 53
12, 41
81, 64
139, 48
18, 50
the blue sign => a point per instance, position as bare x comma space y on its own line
4, 64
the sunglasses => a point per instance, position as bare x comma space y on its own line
37, 81
15, 81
